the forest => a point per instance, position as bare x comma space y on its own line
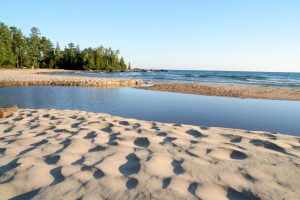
36, 51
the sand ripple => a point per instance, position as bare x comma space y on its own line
52, 154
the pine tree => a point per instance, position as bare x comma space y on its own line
34, 46
88, 59
35, 51
19, 46
6, 53
123, 64
99, 58
129, 66
57, 56
46, 53
78, 60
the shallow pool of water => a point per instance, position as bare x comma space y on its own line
250, 114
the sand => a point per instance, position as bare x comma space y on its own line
64, 154
27, 77
250, 92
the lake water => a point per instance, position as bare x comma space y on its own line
267, 79
250, 114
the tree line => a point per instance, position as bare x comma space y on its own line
36, 51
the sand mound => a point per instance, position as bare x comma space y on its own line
52, 154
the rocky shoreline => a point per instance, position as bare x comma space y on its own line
250, 92
27, 77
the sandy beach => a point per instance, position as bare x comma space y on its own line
64, 154
149, 100
249, 92
27, 77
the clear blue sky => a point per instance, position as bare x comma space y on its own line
260, 35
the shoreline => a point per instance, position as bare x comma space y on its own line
70, 154
28, 77
235, 91
39, 77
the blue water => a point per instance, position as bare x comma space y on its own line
269, 79
250, 114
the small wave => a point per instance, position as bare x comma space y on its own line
275, 82
237, 78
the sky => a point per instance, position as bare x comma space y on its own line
235, 35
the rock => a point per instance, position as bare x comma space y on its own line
8, 111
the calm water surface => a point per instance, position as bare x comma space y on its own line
250, 114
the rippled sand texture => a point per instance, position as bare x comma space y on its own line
52, 154
39, 77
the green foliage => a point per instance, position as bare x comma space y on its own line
58, 55
19, 47
129, 66
71, 57
123, 64
88, 59
34, 47
38, 52
46, 53
6, 53
101, 58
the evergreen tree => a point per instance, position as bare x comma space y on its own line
123, 64
88, 59
99, 58
34, 46
116, 63
78, 60
129, 66
58, 56
19, 46
6, 53
46, 53
72, 57
35, 51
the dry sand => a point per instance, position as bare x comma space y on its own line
52, 154
251, 92
39, 77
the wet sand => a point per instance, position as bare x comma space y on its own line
251, 92
65, 154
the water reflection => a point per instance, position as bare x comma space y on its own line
251, 114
